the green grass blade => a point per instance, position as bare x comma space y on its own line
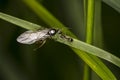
92, 50
89, 32
19, 22
106, 75
114, 4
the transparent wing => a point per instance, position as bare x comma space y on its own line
30, 37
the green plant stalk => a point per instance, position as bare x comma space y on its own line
89, 33
86, 73
90, 21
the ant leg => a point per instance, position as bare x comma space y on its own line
41, 42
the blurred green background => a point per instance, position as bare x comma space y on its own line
53, 61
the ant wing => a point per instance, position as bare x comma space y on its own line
28, 37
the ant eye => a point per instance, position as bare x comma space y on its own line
52, 32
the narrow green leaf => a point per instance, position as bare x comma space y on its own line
114, 4
91, 49
106, 75
19, 22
